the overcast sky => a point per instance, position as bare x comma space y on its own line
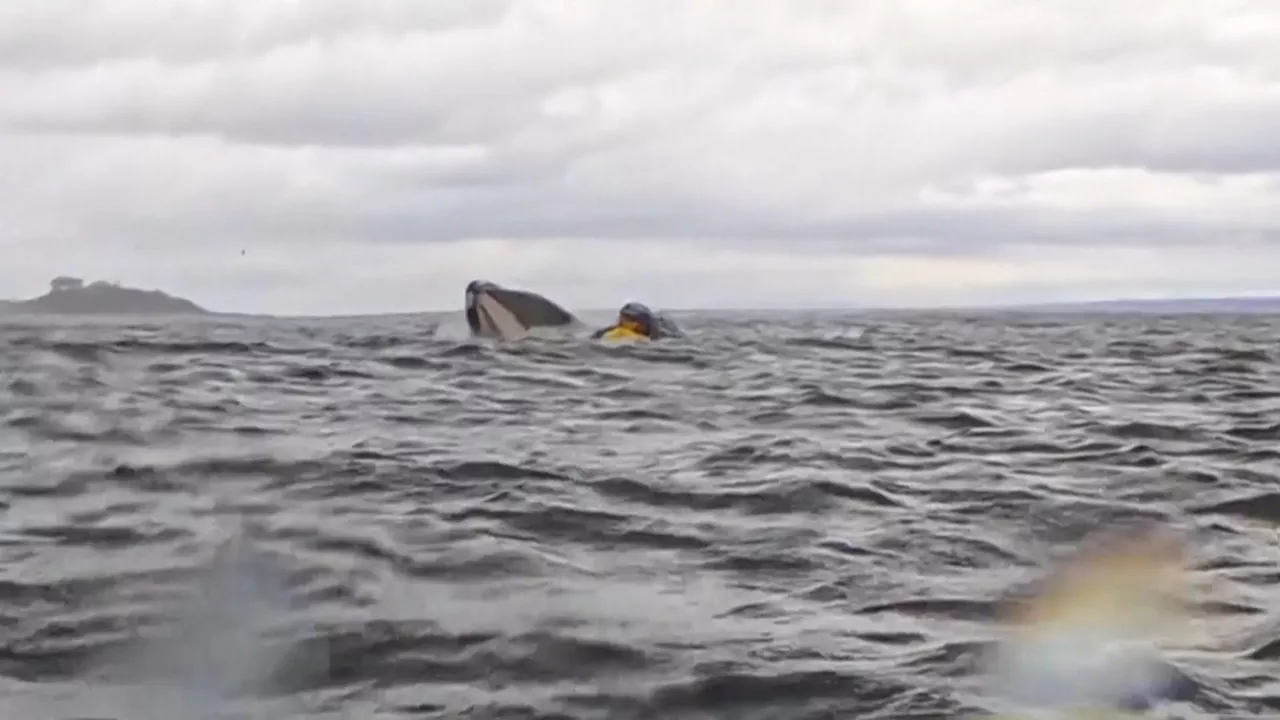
340, 156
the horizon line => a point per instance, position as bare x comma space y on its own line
1270, 301
1036, 306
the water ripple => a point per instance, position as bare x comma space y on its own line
787, 518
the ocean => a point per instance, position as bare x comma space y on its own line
786, 516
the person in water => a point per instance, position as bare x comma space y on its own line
637, 320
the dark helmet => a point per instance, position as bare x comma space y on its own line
635, 311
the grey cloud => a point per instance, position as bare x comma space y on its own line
445, 213
39, 35
1173, 136
398, 86
392, 87
819, 125
304, 196
349, 110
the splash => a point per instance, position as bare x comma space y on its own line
451, 329
225, 643
1090, 643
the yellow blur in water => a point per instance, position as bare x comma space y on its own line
1096, 630
1130, 587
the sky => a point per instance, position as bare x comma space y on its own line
329, 157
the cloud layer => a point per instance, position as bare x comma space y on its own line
329, 156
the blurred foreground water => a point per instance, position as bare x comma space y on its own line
781, 518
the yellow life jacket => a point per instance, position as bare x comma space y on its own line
624, 331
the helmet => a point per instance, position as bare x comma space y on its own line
639, 315
635, 311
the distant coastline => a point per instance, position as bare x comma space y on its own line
1245, 304
72, 296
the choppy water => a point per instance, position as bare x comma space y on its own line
778, 520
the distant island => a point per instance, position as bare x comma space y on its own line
71, 296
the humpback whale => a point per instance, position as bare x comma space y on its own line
498, 312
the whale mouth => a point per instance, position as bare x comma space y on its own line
474, 288
496, 318
494, 311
